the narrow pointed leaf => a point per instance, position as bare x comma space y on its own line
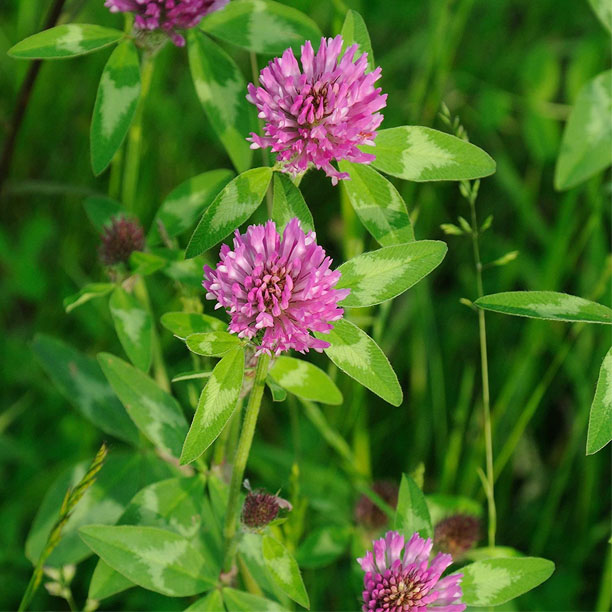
305, 380
79, 379
239, 601
496, 581
152, 558
89, 292
416, 153
288, 203
377, 276
356, 354
412, 514
262, 26
354, 30
183, 324
546, 305
221, 89
116, 102
156, 413
212, 344
213, 602
284, 570
105, 582
233, 206
65, 41
216, 406
378, 204
600, 420
585, 148
278, 393
185, 204
134, 327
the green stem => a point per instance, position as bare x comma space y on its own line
484, 365
134, 143
242, 455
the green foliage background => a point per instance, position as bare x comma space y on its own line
511, 70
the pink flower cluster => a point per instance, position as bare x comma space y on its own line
278, 287
408, 583
320, 112
166, 15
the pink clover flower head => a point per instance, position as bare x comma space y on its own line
319, 112
399, 577
166, 15
278, 288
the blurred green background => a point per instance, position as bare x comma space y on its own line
511, 70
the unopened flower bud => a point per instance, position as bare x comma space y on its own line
367, 513
457, 534
119, 240
261, 508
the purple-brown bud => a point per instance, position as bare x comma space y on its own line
119, 240
367, 513
261, 508
456, 534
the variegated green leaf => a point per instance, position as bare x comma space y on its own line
603, 10
288, 203
600, 420
79, 379
156, 413
213, 602
261, 26
180, 210
134, 327
216, 406
89, 292
100, 210
240, 601
496, 581
105, 582
546, 305
354, 30
412, 514
585, 148
416, 153
377, 276
305, 380
183, 324
65, 41
356, 354
152, 558
233, 206
212, 344
221, 89
378, 204
116, 102
284, 570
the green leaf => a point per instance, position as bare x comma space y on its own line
284, 570
156, 413
115, 106
91, 291
146, 264
548, 305
603, 10
261, 26
412, 514
378, 204
491, 552
239, 601
212, 602
183, 324
356, 354
134, 327
120, 478
79, 379
288, 203
221, 89
600, 419
585, 148
380, 275
354, 30
233, 206
152, 558
65, 41
496, 581
212, 344
191, 375
278, 393
305, 380
323, 546
105, 582
180, 210
417, 153
216, 406
100, 210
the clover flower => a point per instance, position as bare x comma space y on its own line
320, 112
119, 240
456, 534
408, 583
276, 288
166, 15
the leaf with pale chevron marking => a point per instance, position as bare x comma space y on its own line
183, 324
284, 570
212, 344
288, 203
